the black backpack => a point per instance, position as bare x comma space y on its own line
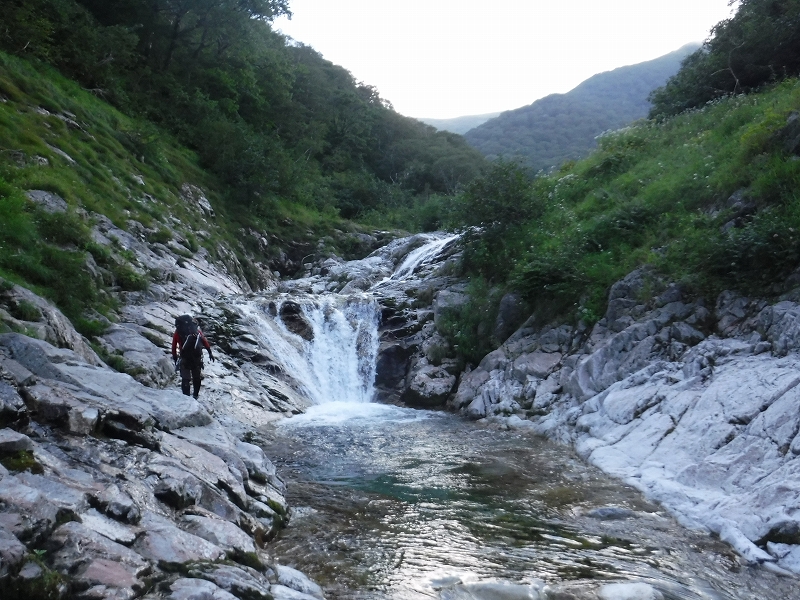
188, 334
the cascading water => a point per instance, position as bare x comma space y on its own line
335, 362
420, 256
334, 358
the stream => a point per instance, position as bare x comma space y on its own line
401, 504
395, 503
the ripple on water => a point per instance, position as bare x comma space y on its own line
397, 503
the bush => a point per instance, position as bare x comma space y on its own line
469, 327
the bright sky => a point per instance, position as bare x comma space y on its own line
450, 58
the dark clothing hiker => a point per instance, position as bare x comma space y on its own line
188, 342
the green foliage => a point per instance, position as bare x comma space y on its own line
272, 121
24, 311
468, 327
496, 207
19, 461
760, 44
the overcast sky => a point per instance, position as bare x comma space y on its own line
450, 58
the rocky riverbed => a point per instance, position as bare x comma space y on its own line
117, 486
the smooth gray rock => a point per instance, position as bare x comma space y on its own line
258, 466
292, 578
119, 505
281, 592
83, 420
430, 386
56, 328
47, 201
68, 499
11, 441
126, 340
242, 582
165, 544
11, 403
12, 552
535, 364
74, 544
113, 530
221, 533
25, 511
205, 466
177, 487
18, 374
610, 513
629, 591
198, 589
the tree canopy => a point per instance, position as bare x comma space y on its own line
758, 45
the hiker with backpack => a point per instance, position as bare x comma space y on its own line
189, 339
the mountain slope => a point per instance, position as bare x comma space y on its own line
563, 127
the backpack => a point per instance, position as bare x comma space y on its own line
188, 334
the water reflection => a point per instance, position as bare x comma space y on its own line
403, 504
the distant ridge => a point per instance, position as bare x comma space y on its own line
563, 127
460, 125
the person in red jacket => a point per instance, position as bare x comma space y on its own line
189, 341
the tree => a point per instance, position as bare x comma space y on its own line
758, 45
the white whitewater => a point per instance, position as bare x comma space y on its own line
338, 365
419, 257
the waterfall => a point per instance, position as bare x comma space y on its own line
338, 363
327, 344
417, 258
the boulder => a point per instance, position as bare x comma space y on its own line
392, 364
26, 511
197, 589
294, 579
12, 553
170, 547
430, 386
242, 582
511, 312
221, 533
149, 363
535, 364
11, 442
291, 313
98, 559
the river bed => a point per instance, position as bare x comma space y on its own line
393, 503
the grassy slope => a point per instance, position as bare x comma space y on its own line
709, 199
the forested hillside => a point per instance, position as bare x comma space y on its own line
273, 121
563, 127
760, 44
